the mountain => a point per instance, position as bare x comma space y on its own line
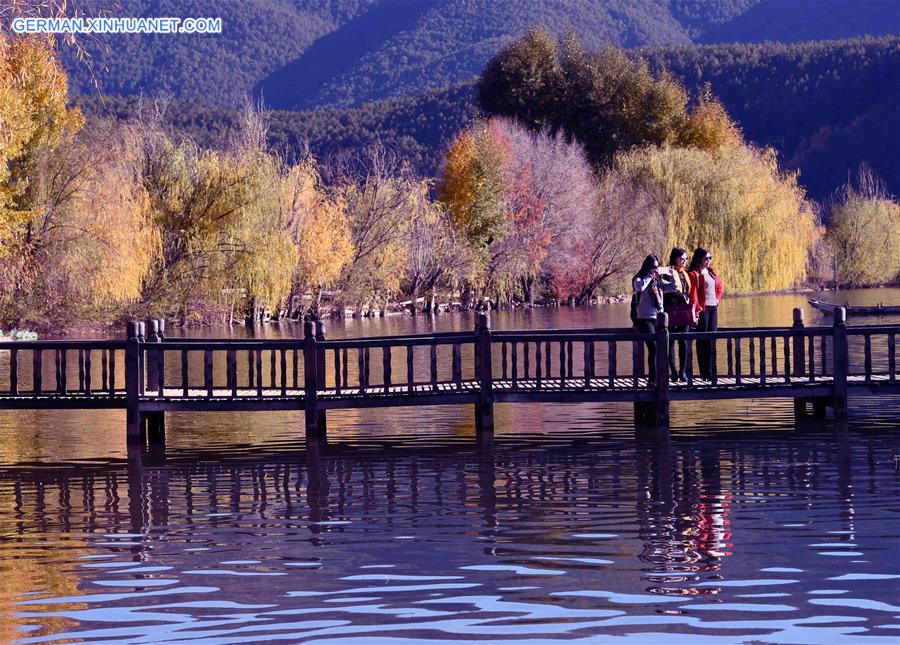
825, 107
301, 54
800, 20
258, 37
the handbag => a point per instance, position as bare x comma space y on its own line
683, 314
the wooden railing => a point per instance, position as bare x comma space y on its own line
150, 374
87, 369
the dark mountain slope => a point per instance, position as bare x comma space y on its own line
314, 53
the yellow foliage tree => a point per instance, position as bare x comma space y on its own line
737, 203
376, 189
471, 185
260, 253
320, 229
864, 236
709, 127
378, 223
221, 227
89, 235
34, 117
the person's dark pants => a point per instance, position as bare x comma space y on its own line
649, 327
709, 321
679, 372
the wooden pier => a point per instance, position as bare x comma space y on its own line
148, 374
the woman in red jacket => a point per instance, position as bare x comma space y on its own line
706, 292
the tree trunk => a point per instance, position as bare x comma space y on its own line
466, 297
253, 312
415, 297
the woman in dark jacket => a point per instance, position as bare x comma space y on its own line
706, 292
678, 264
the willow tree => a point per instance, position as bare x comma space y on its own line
222, 234
90, 237
864, 235
734, 201
255, 249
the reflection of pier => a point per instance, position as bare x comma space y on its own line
680, 493
149, 375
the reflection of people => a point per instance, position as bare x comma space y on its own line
706, 292
685, 527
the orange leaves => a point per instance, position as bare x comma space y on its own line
472, 183
319, 227
709, 127
515, 195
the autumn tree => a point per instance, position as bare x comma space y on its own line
607, 99
541, 187
437, 256
864, 235
34, 119
738, 203
88, 244
549, 181
376, 188
320, 230
471, 185
220, 221
76, 243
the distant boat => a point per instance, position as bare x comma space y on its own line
880, 309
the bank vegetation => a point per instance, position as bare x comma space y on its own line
581, 164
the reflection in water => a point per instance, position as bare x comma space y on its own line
684, 516
769, 536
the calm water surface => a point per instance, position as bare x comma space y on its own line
738, 527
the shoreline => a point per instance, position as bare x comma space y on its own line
106, 327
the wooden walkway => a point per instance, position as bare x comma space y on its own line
149, 375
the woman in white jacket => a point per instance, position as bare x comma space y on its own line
650, 285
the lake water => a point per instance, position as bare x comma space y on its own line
740, 526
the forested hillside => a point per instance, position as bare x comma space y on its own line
416, 128
258, 36
302, 54
795, 21
825, 107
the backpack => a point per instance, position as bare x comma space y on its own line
635, 297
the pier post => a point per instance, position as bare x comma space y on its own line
155, 421
484, 408
311, 379
798, 352
152, 336
320, 370
841, 363
133, 381
661, 408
